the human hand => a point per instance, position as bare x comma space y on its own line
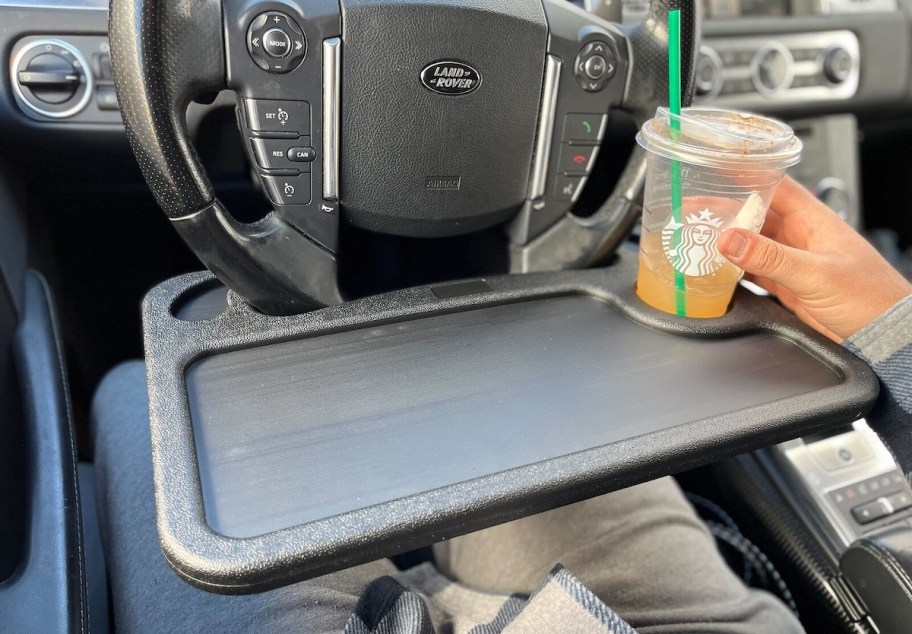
816, 264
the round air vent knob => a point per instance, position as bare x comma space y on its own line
708, 74
837, 65
772, 68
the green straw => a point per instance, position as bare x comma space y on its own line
674, 125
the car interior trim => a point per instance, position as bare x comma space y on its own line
545, 128
332, 67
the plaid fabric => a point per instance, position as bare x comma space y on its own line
886, 344
423, 601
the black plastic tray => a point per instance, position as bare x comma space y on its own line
289, 447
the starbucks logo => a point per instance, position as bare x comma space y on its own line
691, 247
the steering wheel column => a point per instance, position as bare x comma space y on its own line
429, 118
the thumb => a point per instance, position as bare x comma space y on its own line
763, 257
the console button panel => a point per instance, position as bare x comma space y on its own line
790, 68
847, 481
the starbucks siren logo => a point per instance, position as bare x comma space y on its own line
694, 252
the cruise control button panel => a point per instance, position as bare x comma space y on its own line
285, 118
279, 132
276, 42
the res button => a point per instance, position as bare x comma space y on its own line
281, 154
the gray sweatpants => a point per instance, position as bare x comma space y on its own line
642, 551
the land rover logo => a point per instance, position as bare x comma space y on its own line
450, 78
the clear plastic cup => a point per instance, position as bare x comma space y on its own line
727, 165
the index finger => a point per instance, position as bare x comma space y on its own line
793, 198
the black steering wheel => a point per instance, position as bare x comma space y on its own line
419, 118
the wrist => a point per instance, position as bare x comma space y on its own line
886, 333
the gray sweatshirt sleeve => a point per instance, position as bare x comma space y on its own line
886, 344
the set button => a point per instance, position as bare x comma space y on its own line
276, 42
285, 118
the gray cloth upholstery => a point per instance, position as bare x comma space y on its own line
886, 344
641, 551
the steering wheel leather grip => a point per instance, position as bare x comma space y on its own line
575, 241
648, 87
167, 52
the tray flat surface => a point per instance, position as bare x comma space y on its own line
292, 432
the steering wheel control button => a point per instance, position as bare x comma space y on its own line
301, 154
583, 128
276, 42
288, 190
276, 154
576, 159
594, 66
568, 188
286, 117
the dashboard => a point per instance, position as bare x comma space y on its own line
769, 55
801, 60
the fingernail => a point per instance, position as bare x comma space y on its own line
736, 245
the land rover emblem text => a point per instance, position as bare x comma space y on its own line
450, 78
